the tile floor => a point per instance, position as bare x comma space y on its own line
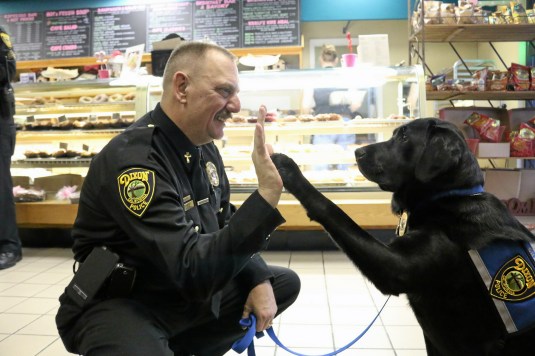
336, 303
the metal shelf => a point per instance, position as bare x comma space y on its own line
475, 33
51, 162
480, 95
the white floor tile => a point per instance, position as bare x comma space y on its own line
9, 302
56, 349
34, 306
23, 290
11, 323
44, 325
374, 338
309, 336
25, 345
406, 337
336, 304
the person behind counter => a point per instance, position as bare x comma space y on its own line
346, 103
10, 244
157, 197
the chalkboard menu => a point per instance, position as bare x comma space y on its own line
26, 33
218, 21
164, 19
67, 33
119, 27
83, 32
270, 23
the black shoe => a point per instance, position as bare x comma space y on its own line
9, 258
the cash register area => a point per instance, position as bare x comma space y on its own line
335, 305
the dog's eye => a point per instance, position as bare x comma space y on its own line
402, 135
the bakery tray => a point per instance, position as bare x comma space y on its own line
51, 162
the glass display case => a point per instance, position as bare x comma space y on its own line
77, 119
321, 141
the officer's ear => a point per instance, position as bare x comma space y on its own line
180, 84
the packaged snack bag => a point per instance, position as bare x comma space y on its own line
519, 77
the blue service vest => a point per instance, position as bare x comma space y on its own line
507, 269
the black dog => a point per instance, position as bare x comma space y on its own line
435, 181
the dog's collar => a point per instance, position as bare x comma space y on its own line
404, 217
478, 189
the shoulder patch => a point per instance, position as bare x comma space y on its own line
136, 188
7, 41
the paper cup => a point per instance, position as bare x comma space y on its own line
349, 59
104, 73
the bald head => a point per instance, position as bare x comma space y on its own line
189, 57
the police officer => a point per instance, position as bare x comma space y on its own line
10, 245
158, 197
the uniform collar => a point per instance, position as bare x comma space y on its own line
186, 150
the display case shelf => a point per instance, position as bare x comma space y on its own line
397, 92
475, 33
480, 95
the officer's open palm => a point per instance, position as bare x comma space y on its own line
269, 180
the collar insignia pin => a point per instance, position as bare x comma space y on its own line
187, 156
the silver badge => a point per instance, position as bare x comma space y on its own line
211, 170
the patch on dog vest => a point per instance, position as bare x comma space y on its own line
508, 271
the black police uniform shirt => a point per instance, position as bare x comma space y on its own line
138, 200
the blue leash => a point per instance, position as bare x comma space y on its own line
247, 342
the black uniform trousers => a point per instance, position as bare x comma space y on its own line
127, 327
9, 237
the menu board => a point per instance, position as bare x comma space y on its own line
84, 32
270, 23
118, 27
67, 33
218, 21
26, 33
164, 19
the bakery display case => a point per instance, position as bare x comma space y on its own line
387, 98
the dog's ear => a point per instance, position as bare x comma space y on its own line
442, 152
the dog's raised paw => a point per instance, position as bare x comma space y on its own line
288, 169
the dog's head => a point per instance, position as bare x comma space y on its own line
422, 157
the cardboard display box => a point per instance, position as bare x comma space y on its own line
511, 183
52, 184
493, 150
23, 181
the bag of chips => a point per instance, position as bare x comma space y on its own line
523, 143
519, 77
489, 129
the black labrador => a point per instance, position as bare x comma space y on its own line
435, 181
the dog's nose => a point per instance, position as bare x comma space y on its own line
359, 153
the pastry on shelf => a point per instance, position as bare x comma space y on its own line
100, 98
129, 97
23, 195
44, 154
65, 125
31, 154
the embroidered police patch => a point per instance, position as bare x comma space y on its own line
7, 41
136, 188
211, 170
514, 281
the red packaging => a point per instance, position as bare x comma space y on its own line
523, 142
519, 77
488, 128
532, 76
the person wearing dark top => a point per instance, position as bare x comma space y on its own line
339, 101
10, 244
158, 198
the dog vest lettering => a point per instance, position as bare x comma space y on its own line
507, 269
